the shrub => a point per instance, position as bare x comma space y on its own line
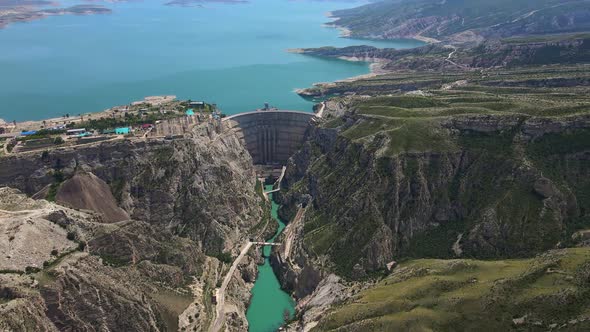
32, 269
225, 257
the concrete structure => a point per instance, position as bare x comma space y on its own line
270, 136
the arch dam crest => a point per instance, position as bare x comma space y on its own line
271, 136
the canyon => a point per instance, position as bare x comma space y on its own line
447, 191
153, 267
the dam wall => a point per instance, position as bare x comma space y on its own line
272, 136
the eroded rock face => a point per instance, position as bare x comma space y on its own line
28, 238
88, 192
22, 309
315, 306
149, 273
201, 186
370, 207
127, 275
84, 290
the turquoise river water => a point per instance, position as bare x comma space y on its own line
230, 54
269, 302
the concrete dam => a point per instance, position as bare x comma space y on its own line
271, 136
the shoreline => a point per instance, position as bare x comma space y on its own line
32, 12
347, 33
344, 31
151, 101
375, 69
376, 65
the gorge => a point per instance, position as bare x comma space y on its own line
447, 191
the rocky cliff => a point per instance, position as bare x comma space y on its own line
127, 247
74, 277
410, 176
201, 186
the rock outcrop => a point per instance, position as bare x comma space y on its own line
491, 188
88, 192
201, 186
127, 248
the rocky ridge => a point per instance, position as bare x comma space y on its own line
458, 21
430, 175
184, 198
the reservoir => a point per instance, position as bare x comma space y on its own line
269, 304
230, 54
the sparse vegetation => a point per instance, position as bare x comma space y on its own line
225, 257
71, 236
462, 295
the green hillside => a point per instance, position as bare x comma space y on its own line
544, 293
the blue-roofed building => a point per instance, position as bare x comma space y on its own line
122, 131
190, 112
28, 133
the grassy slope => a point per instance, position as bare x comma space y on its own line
462, 295
415, 125
413, 122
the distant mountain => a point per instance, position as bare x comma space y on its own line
460, 20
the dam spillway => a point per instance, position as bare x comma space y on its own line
271, 136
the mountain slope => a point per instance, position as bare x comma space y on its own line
464, 20
545, 293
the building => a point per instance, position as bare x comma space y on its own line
197, 104
28, 133
76, 132
122, 131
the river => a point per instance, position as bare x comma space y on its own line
230, 54
269, 302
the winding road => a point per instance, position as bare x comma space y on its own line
220, 292
448, 59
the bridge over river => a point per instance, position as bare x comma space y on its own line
271, 136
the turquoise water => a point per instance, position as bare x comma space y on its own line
268, 304
232, 55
